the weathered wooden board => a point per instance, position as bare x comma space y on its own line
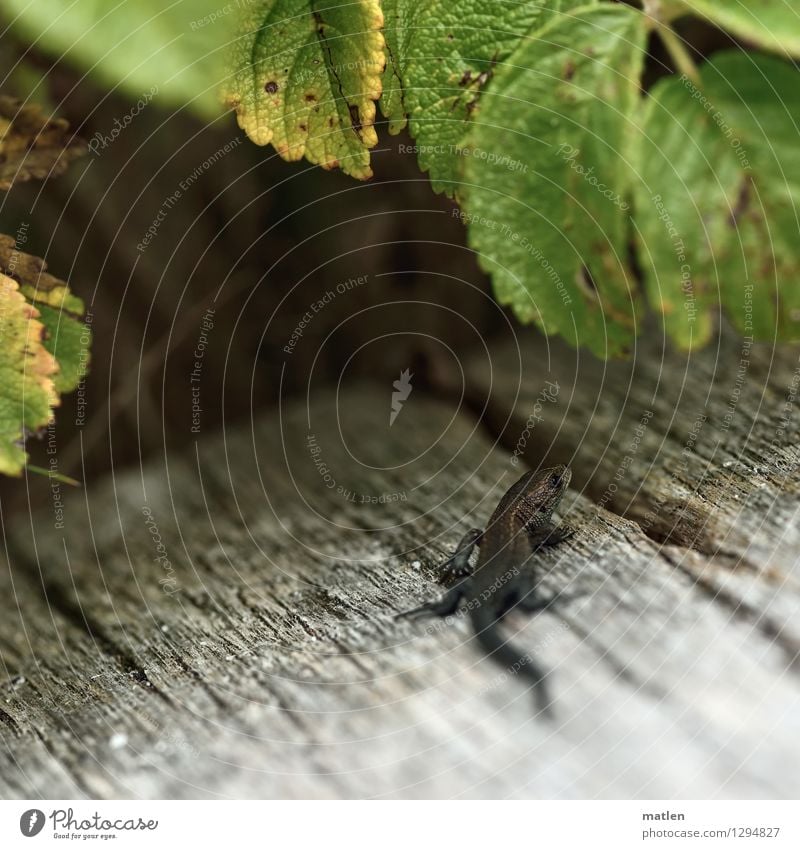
702, 451
260, 656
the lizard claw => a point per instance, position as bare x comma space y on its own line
415, 613
558, 535
457, 565
444, 606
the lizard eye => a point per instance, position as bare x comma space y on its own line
555, 478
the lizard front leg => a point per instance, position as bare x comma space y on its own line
457, 564
456, 567
550, 534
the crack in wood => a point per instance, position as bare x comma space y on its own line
77, 615
742, 611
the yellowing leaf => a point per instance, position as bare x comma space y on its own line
306, 76
65, 336
27, 390
35, 281
59, 311
44, 350
575, 181
31, 145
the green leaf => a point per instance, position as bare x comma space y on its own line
171, 50
44, 347
392, 95
68, 340
532, 116
27, 391
66, 337
306, 75
548, 172
37, 364
716, 209
770, 24
441, 56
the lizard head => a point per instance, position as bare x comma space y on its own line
536, 494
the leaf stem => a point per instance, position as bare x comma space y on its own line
677, 50
52, 475
659, 14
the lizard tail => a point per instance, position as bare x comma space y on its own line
501, 651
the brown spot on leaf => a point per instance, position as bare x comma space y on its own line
311, 97
271, 87
742, 201
569, 70
585, 280
466, 78
355, 117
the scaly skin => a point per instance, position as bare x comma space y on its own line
520, 525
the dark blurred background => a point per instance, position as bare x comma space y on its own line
263, 239
255, 238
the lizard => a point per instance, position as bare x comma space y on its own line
521, 524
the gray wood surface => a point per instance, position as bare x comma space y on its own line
260, 656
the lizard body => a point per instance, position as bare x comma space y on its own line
521, 524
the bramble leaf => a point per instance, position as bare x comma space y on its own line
440, 57
533, 117
44, 348
770, 24
717, 206
173, 50
27, 390
548, 173
306, 75
58, 310
68, 340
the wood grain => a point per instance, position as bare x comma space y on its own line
260, 655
